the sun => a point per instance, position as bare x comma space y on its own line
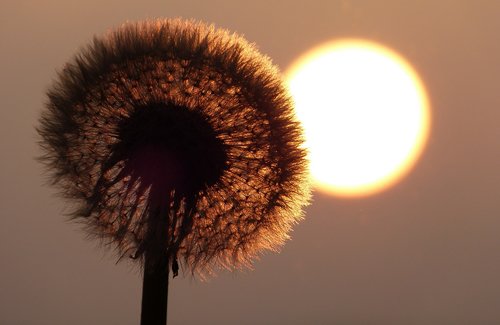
365, 113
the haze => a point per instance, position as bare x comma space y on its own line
425, 251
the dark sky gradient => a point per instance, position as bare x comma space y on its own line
426, 251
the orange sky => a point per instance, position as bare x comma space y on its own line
423, 252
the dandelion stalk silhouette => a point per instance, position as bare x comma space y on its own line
178, 143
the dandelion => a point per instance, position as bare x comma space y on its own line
178, 144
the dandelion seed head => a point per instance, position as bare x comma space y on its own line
174, 136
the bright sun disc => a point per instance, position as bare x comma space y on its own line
365, 113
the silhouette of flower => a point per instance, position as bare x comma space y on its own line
177, 139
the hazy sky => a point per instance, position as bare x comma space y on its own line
426, 251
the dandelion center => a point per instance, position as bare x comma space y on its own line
171, 148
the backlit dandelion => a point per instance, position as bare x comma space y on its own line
178, 143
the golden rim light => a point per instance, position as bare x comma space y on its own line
308, 107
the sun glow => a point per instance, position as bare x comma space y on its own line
365, 113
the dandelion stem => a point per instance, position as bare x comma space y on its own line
155, 290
